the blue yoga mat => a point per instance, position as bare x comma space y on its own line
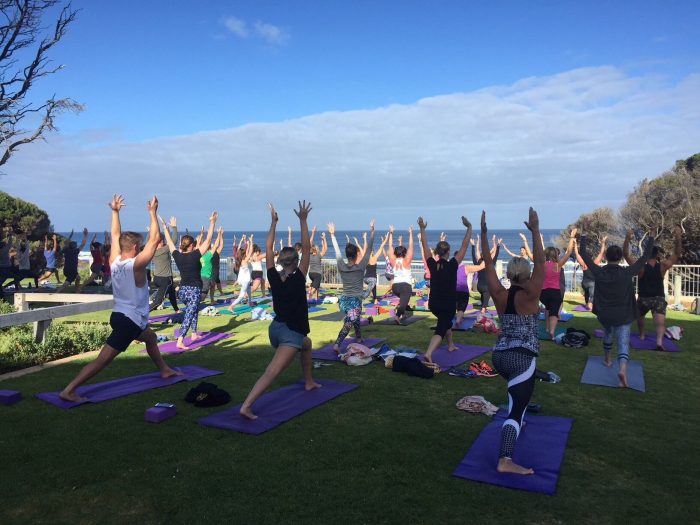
277, 407
596, 373
540, 446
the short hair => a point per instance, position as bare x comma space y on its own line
400, 251
128, 240
297, 246
351, 251
288, 257
613, 254
185, 242
442, 248
518, 270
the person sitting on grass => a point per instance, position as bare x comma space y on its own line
614, 302
129, 319
288, 332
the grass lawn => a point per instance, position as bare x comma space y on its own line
381, 454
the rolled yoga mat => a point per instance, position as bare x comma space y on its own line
99, 392
207, 338
446, 360
327, 354
277, 407
540, 446
596, 373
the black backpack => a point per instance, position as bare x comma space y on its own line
207, 395
412, 366
575, 338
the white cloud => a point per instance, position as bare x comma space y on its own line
565, 143
237, 26
271, 34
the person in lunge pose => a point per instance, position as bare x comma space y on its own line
288, 332
515, 353
129, 319
163, 271
443, 285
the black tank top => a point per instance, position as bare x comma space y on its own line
651, 284
371, 270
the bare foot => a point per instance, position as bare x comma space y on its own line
181, 345
428, 358
195, 337
336, 349
642, 336
622, 376
451, 348
312, 385
247, 413
72, 397
169, 372
506, 465
397, 320
607, 361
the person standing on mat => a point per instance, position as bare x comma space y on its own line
462, 292
187, 259
352, 274
316, 266
402, 284
163, 271
289, 330
129, 319
71, 253
517, 347
552, 290
50, 258
481, 284
614, 303
370, 278
443, 285
588, 279
651, 285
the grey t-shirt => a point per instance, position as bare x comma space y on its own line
352, 276
162, 263
315, 265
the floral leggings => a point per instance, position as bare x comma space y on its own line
191, 296
352, 306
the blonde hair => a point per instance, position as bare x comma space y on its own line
518, 270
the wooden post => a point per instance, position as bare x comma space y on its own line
40, 329
21, 302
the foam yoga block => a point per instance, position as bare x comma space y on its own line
10, 397
159, 414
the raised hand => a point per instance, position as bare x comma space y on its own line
347, 238
678, 231
323, 235
533, 222
466, 222
173, 222
410, 230
273, 215
331, 228
214, 215
443, 236
471, 241
391, 228
289, 229
573, 232
152, 205
605, 239
117, 202
303, 211
422, 224
85, 232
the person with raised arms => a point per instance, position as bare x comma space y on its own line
316, 265
244, 279
515, 354
289, 330
481, 284
207, 272
163, 271
50, 250
552, 296
443, 285
650, 284
71, 254
402, 284
588, 279
187, 259
129, 319
370, 278
352, 274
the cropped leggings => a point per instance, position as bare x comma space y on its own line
620, 333
191, 297
518, 368
404, 291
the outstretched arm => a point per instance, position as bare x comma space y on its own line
270, 240
331, 230
289, 235
528, 252
409, 250
313, 234
207, 242
324, 244
220, 242
303, 213
569, 249
84, 241
508, 251
494, 284
168, 238
579, 259
677, 249
55, 239
601, 253
116, 204
423, 238
537, 277
148, 251
465, 242
367, 252
626, 248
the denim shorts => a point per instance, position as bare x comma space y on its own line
281, 335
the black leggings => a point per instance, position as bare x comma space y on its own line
485, 297
518, 368
163, 285
404, 291
444, 320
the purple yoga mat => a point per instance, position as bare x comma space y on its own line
277, 407
161, 318
464, 353
98, 392
541, 446
208, 338
581, 308
327, 354
649, 342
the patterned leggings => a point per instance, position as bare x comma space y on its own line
352, 306
622, 334
191, 296
518, 368
371, 283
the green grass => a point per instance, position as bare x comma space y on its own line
381, 454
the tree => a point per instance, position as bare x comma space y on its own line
22, 217
24, 60
656, 206
601, 222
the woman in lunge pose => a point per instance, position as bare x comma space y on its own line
288, 332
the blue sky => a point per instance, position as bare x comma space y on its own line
385, 109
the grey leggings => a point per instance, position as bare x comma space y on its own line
404, 291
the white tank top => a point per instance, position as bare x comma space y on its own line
401, 274
244, 274
257, 266
129, 299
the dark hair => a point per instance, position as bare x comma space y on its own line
442, 248
351, 251
186, 242
256, 248
400, 251
613, 254
656, 251
297, 246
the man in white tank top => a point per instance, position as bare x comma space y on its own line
129, 319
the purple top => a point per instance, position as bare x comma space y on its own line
462, 284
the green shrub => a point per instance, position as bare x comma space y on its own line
19, 350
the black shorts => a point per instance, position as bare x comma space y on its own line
315, 280
552, 301
124, 331
96, 268
462, 301
206, 284
70, 275
657, 305
256, 274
